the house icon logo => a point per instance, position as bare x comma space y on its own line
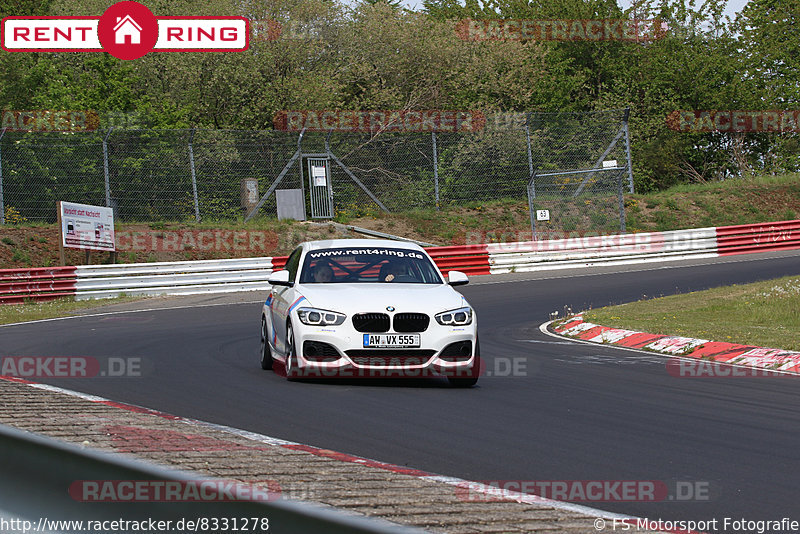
127, 31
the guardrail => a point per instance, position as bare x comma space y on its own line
470, 259
39, 475
764, 237
607, 250
250, 274
175, 278
41, 284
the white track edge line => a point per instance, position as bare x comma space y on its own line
131, 311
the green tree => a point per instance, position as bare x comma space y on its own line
696, 66
396, 4
21, 8
771, 48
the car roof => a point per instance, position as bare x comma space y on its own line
364, 243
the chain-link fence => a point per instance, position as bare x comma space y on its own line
175, 175
579, 185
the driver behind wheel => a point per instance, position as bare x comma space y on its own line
323, 273
395, 272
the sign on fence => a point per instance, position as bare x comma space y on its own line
86, 227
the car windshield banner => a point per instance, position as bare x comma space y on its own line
367, 264
369, 254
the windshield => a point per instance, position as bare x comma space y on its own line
368, 265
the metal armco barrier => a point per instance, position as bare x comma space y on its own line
608, 250
470, 259
174, 278
250, 274
764, 237
41, 284
39, 474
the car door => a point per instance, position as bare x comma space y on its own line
282, 299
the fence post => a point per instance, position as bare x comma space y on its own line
531, 211
105, 167
628, 148
300, 168
622, 222
435, 169
530, 155
531, 175
2, 206
194, 177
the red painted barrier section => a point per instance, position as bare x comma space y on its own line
763, 237
278, 262
38, 284
469, 259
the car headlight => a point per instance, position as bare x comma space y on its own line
459, 317
315, 317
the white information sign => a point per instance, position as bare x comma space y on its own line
542, 215
319, 175
87, 227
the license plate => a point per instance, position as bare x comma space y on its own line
386, 341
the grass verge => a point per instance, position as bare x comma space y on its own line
765, 314
35, 311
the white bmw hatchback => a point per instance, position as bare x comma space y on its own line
368, 308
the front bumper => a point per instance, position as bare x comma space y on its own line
338, 352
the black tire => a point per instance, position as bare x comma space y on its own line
266, 353
291, 356
472, 378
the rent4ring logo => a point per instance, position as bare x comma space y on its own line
127, 30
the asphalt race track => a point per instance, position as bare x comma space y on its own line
576, 412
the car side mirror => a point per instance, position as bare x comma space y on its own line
280, 278
457, 278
